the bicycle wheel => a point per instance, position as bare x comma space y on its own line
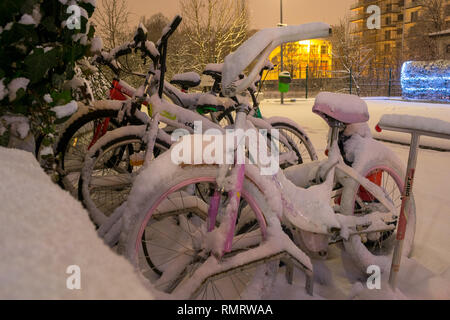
169, 243
299, 143
75, 141
107, 175
376, 248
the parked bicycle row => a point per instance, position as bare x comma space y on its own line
221, 229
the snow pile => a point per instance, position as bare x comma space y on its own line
96, 44
33, 19
434, 126
3, 90
192, 77
15, 85
214, 67
65, 110
151, 48
19, 126
43, 231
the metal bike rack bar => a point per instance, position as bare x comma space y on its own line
387, 123
288, 259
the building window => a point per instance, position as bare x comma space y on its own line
387, 35
387, 47
448, 48
388, 20
414, 16
324, 49
400, 17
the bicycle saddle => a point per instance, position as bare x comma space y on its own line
209, 103
344, 108
214, 70
186, 80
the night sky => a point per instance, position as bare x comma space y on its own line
264, 13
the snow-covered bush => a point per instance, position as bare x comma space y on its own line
40, 43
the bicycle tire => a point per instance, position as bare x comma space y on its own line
97, 215
135, 222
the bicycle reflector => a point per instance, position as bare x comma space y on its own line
137, 159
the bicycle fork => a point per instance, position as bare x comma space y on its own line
234, 195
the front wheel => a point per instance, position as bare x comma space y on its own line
376, 248
167, 238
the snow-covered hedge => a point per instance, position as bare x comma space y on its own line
426, 80
40, 42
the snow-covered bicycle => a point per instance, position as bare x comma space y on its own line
210, 230
109, 168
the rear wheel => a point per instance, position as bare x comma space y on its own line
298, 142
108, 174
376, 248
75, 141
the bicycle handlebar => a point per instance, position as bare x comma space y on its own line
168, 31
145, 47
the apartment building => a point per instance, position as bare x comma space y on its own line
389, 42
297, 56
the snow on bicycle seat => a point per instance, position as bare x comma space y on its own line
345, 108
214, 70
209, 103
186, 80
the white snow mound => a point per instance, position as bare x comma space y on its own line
43, 231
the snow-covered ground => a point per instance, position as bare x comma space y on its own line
427, 273
43, 229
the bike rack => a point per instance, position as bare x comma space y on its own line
286, 257
399, 123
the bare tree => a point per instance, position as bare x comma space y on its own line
212, 29
419, 44
111, 20
350, 53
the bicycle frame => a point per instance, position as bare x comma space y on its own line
333, 167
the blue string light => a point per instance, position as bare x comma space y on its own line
426, 80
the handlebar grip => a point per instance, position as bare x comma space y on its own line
176, 22
172, 27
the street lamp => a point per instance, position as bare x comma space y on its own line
281, 24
